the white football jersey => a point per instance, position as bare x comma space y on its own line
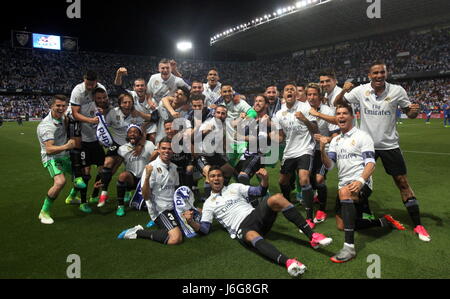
212, 95
299, 141
326, 128
230, 207
378, 113
133, 164
51, 129
85, 100
351, 151
160, 89
234, 112
213, 142
163, 182
118, 124
332, 97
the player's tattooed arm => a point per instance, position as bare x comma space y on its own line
312, 126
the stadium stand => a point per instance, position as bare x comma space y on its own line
416, 60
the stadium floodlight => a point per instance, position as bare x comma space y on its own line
279, 11
184, 46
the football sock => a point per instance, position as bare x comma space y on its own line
295, 217
349, 217
48, 203
121, 190
96, 191
298, 187
286, 190
412, 205
75, 157
106, 178
73, 192
160, 236
83, 192
308, 199
322, 193
244, 179
269, 251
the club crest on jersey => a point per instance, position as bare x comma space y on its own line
159, 170
157, 83
368, 93
118, 117
388, 99
353, 142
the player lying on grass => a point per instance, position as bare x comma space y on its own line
353, 153
230, 206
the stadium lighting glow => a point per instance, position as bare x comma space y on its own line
296, 6
184, 46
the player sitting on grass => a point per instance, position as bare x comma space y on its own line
52, 135
230, 206
353, 152
160, 180
134, 165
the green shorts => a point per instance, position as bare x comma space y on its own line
59, 166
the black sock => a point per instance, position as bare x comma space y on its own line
322, 193
269, 251
121, 190
286, 190
308, 199
96, 191
106, 178
295, 217
160, 236
349, 217
412, 205
83, 192
75, 158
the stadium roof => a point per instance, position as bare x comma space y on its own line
332, 22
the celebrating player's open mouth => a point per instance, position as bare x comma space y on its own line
344, 119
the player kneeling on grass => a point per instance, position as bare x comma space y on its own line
52, 135
134, 165
353, 152
230, 206
160, 180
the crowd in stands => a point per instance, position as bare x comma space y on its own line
59, 72
12, 107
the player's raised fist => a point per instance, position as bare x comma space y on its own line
262, 173
348, 86
122, 71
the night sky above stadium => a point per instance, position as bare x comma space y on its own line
135, 26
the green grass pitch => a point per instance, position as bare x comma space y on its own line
32, 250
